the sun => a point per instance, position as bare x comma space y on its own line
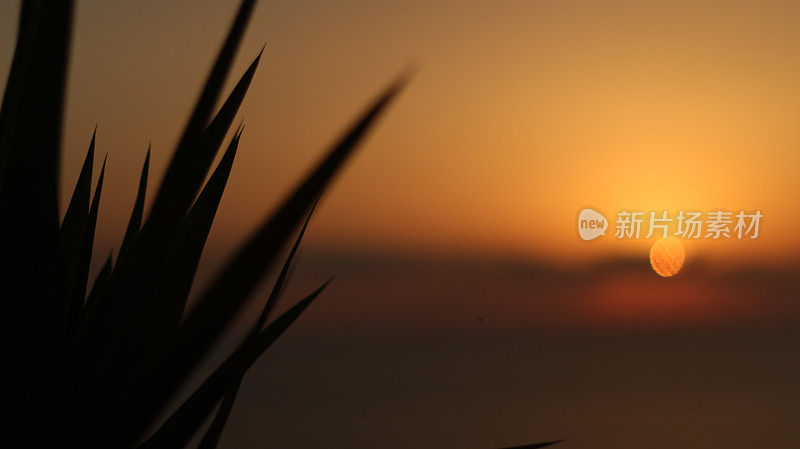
667, 256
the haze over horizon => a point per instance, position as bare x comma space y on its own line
465, 310
521, 114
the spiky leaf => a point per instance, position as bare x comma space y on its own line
214, 433
183, 423
135, 222
229, 291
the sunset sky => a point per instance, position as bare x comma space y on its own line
521, 114
466, 311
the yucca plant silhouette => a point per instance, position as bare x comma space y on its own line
97, 368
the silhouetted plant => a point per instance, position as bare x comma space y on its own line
97, 369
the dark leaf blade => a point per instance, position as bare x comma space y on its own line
73, 232
199, 217
243, 272
157, 319
180, 184
31, 109
109, 329
100, 283
31, 117
164, 316
145, 277
74, 222
82, 270
219, 126
229, 291
22, 65
197, 226
214, 433
74, 313
283, 276
30, 140
152, 245
535, 445
183, 423
135, 222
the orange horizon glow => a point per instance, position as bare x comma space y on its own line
521, 115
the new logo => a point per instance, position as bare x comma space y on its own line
591, 224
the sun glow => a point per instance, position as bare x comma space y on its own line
667, 256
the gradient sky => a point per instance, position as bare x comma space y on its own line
466, 312
522, 113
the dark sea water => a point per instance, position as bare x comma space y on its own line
463, 354
693, 390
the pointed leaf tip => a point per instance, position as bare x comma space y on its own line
135, 221
187, 169
179, 427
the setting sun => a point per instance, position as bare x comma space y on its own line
446, 208
667, 256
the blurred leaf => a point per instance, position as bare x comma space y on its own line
139, 286
229, 291
133, 284
30, 135
214, 433
136, 280
30, 249
152, 297
104, 359
283, 276
30, 115
104, 391
184, 422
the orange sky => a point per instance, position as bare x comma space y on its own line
464, 302
522, 114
